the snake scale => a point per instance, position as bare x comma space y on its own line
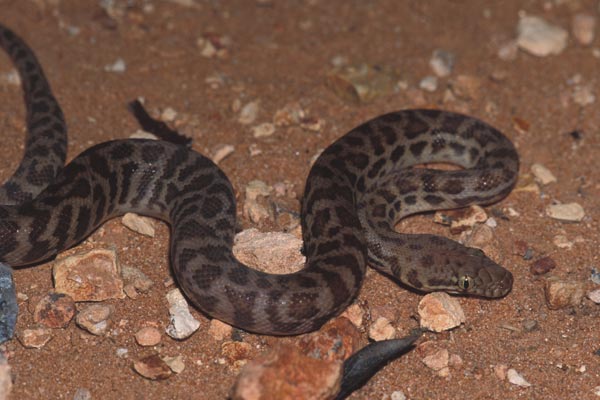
356, 191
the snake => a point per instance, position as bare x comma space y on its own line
357, 190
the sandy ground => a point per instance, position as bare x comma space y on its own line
280, 53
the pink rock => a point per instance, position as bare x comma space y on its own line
440, 312
55, 310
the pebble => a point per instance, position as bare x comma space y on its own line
596, 391
12, 78
466, 87
221, 152
440, 312
562, 242
462, 219
482, 237
538, 37
148, 336
219, 330
570, 212
183, 324
595, 276
248, 113
429, 83
270, 376
438, 361
152, 367
265, 129
516, 379
90, 276
236, 353
500, 371
382, 329
355, 313
118, 66
508, 51
82, 394
35, 338
398, 395
338, 339
529, 325
275, 252
542, 174
583, 27
594, 296
95, 318
561, 294
135, 278
175, 363
583, 95
252, 208
5, 378
168, 114
290, 114
442, 62
361, 83
54, 310
140, 224
542, 266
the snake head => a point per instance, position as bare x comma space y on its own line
476, 274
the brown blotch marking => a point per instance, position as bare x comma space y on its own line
438, 283
379, 211
427, 261
433, 200
205, 276
417, 148
378, 148
303, 305
453, 186
242, 303
413, 279
438, 144
452, 122
415, 127
406, 185
389, 134
410, 200
473, 153
458, 148
429, 184
376, 167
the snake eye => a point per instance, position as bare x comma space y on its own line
464, 282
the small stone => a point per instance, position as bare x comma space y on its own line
183, 324
442, 62
118, 66
221, 152
139, 224
516, 379
595, 276
219, 330
583, 27
508, 51
338, 339
274, 252
95, 318
361, 83
438, 361
82, 394
429, 83
382, 329
148, 336
252, 208
11, 78
5, 378
35, 338
287, 373
440, 312
562, 294
538, 37
90, 276
176, 363
466, 87
398, 395
562, 242
570, 212
500, 371
542, 266
168, 114
249, 113
55, 310
263, 130
594, 296
583, 95
529, 325
136, 279
597, 391
152, 367
290, 114
236, 353
542, 174
355, 313
140, 134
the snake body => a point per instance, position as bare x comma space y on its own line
355, 192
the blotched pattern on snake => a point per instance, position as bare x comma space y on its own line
359, 187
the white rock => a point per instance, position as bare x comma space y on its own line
139, 224
382, 329
538, 37
516, 379
542, 174
594, 296
168, 114
398, 395
571, 212
440, 312
583, 27
442, 62
508, 51
221, 152
583, 95
248, 113
263, 130
183, 324
429, 83
274, 252
118, 66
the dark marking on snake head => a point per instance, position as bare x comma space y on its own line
412, 278
427, 261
